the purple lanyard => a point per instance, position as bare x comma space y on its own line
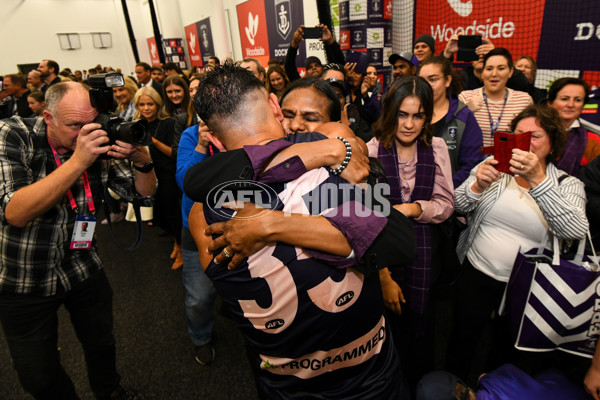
494, 127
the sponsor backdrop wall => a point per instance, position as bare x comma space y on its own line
366, 26
563, 36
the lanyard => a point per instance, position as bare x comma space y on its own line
86, 186
494, 127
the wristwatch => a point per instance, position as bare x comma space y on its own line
146, 168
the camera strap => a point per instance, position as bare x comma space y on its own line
138, 220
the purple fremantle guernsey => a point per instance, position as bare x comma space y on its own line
318, 331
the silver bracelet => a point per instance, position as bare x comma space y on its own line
344, 163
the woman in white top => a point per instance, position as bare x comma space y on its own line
506, 213
495, 105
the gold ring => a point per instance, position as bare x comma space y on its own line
522, 166
227, 253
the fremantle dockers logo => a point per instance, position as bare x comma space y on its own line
203, 30
283, 17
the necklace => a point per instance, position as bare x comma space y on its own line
522, 190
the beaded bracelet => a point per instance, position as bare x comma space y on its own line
344, 163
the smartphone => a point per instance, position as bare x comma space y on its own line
504, 143
361, 60
466, 47
313, 33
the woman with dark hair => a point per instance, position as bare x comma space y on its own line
494, 105
568, 96
189, 118
176, 95
417, 168
507, 214
308, 103
452, 120
37, 103
277, 80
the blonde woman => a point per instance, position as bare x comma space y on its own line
167, 214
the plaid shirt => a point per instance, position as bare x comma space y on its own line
36, 259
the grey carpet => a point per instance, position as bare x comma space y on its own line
154, 351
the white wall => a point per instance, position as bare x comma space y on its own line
29, 27
28, 31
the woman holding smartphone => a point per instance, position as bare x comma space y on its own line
507, 214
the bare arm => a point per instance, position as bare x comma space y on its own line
330, 153
145, 182
197, 224
254, 228
163, 148
592, 378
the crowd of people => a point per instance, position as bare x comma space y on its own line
370, 280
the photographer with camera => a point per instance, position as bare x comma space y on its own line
314, 67
55, 170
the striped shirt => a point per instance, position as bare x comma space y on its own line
516, 102
36, 259
562, 205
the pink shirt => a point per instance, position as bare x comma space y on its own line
441, 205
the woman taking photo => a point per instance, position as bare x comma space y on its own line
495, 105
167, 212
277, 80
417, 168
176, 95
568, 96
452, 120
507, 214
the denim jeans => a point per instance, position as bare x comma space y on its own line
30, 325
199, 299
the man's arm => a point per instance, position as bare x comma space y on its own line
254, 228
35, 199
333, 51
197, 224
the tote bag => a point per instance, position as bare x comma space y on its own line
553, 301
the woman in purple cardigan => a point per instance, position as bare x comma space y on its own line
417, 168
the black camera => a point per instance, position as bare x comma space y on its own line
101, 97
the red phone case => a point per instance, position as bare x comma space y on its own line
504, 143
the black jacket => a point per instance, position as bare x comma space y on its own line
23, 110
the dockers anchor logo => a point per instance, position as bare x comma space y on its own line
283, 17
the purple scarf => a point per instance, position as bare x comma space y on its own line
574, 149
414, 279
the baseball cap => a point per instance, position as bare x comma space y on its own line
312, 59
404, 55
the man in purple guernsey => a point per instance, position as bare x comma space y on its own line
311, 312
